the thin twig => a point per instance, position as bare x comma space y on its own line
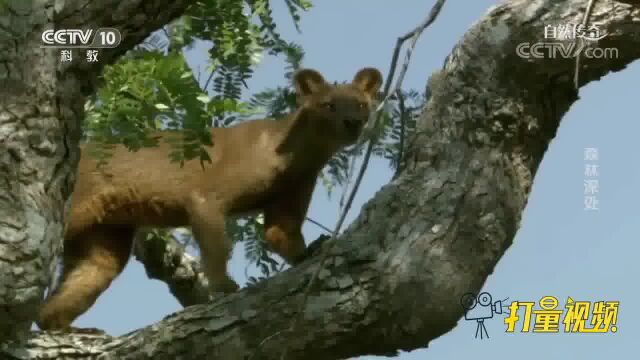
318, 224
345, 188
403, 114
585, 19
166, 33
206, 84
414, 35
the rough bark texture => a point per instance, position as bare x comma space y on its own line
41, 109
393, 281
168, 262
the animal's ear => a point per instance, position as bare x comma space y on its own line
368, 80
308, 81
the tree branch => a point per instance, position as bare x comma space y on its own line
165, 260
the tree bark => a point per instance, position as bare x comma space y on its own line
393, 281
168, 262
41, 109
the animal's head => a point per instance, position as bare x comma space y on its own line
340, 111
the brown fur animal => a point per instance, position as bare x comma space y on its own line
260, 165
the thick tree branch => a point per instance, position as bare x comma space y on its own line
394, 279
166, 260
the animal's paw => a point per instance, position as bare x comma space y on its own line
226, 286
316, 245
313, 248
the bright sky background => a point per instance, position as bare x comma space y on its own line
560, 249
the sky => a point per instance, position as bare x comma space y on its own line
560, 250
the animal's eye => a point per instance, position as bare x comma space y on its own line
330, 106
362, 105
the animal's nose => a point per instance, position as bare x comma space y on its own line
352, 120
352, 124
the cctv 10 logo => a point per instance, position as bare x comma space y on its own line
89, 38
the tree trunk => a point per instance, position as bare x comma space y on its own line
41, 109
36, 162
394, 280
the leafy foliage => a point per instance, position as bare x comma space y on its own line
399, 123
294, 7
153, 88
251, 231
150, 91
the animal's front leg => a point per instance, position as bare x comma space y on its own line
282, 233
283, 222
206, 215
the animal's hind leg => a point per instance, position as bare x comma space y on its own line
91, 261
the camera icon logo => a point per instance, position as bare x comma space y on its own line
480, 308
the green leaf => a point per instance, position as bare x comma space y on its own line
204, 98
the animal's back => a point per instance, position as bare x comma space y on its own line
145, 187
